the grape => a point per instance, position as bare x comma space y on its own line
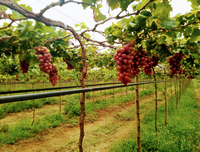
24, 66
44, 58
69, 65
53, 75
124, 60
174, 62
148, 66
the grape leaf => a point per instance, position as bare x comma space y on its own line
117, 33
169, 24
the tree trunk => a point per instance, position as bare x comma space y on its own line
137, 114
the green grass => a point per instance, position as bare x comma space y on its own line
72, 108
25, 105
39, 103
24, 130
182, 134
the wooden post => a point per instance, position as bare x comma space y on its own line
93, 92
166, 104
126, 90
137, 114
113, 92
60, 98
175, 92
33, 108
179, 87
171, 93
156, 101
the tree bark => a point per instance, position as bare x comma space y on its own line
137, 114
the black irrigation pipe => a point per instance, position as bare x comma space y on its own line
55, 88
8, 99
3, 83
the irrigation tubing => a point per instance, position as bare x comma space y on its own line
8, 99
55, 88
3, 83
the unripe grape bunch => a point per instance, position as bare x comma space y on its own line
24, 66
174, 62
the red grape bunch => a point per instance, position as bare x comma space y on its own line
24, 66
150, 63
139, 60
184, 71
124, 59
69, 65
44, 57
174, 62
148, 66
155, 60
53, 75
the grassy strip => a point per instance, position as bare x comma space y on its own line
72, 108
181, 135
24, 130
39, 103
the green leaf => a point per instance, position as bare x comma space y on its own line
195, 3
195, 36
124, 4
16, 15
161, 40
142, 4
162, 10
113, 4
26, 7
169, 24
3, 8
117, 33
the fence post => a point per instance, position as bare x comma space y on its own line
171, 93
33, 108
93, 91
175, 92
60, 96
166, 105
156, 101
137, 114
113, 92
